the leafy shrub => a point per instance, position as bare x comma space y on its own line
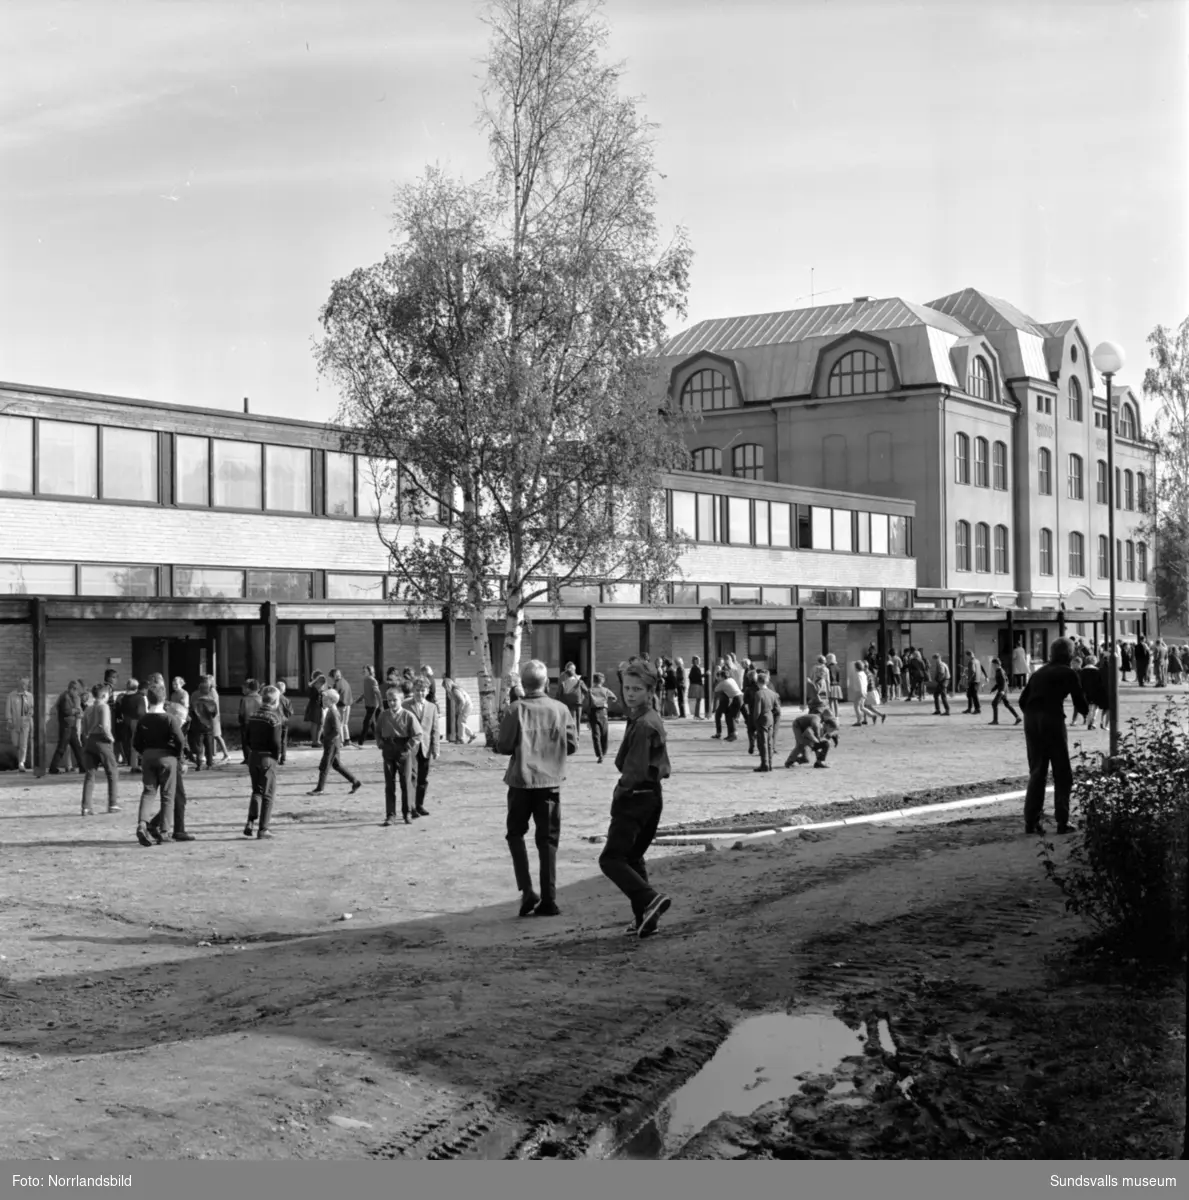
1125, 872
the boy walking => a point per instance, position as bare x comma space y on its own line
158, 742
427, 745
264, 745
599, 695
397, 732
973, 675
636, 804
285, 708
539, 734
764, 717
999, 693
331, 735
248, 706
939, 682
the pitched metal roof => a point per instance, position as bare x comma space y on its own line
987, 313
1060, 328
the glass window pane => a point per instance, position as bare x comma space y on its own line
761, 522
870, 598
897, 598
739, 520
685, 514
709, 593
822, 531
707, 525
16, 454
279, 585
879, 533
619, 593
129, 464
575, 593
864, 546
355, 587
840, 597
811, 597
288, 655
376, 481
842, 529
201, 582
744, 594
685, 593
340, 484
288, 485
778, 595
237, 474
67, 459
898, 536
781, 525
36, 579
193, 464
117, 581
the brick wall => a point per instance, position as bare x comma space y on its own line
616, 641
16, 655
743, 564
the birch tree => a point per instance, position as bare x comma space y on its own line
496, 358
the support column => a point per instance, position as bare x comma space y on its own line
37, 614
708, 648
378, 652
952, 647
1061, 622
448, 699
882, 651
825, 637
211, 664
643, 640
802, 690
1011, 642
588, 615
268, 613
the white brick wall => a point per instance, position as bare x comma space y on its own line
742, 564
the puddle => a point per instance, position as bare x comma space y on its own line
764, 1058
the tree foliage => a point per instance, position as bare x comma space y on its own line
497, 353
1166, 382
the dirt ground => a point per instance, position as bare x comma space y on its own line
209, 1000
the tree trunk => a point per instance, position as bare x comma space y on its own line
489, 691
513, 633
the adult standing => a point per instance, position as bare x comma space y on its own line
939, 682
134, 704
285, 708
539, 734
973, 676
895, 674
397, 733
99, 750
331, 737
1043, 704
426, 748
371, 704
697, 680
19, 713
750, 686
262, 740
158, 744
1143, 658
69, 711
346, 698
671, 706
1019, 664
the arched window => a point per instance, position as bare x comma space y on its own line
1141, 488
708, 460
978, 382
1118, 558
1104, 557
1075, 399
1129, 547
1129, 491
1044, 471
961, 458
962, 546
1077, 554
706, 391
1001, 560
1102, 483
1141, 563
1127, 425
981, 466
1075, 477
982, 547
999, 466
1118, 487
747, 462
1046, 551
858, 373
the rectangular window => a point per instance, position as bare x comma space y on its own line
200, 583
761, 647
685, 593
237, 474
709, 593
36, 579
879, 533
840, 597
1074, 477
354, 587
778, 595
805, 529
707, 518
1001, 550
781, 525
842, 529
1046, 552
288, 481
1102, 488
863, 545
821, 535
340, 484
577, 593
897, 598
1076, 554
1104, 555
279, 585
739, 520
870, 598
192, 471
129, 464
761, 517
684, 509
898, 536
744, 594
117, 581
999, 466
811, 597
67, 459
376, 484
16, 454
620, 593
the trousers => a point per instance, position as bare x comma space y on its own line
159, 772
22, 739
398, 766
1048, 745
635, 817
543, 807
331, 761
262, 768
598, 731
96, 755
68, 743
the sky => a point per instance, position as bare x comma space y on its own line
184, 179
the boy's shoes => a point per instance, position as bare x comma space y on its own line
356, 786
389, 821
413, 813
1019, 720
821, 765
1062, 828
546, 910
1037, 830
142, 835
408, 819
184, 837
651, 916
315, 792
249, 830
632, 930
528, 901
732, 738
113, 808
264, 835
88, 812
421, 810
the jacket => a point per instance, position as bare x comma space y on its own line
158, 731
371, 692
398, 729
262, 732
539, 734
346, 696
643, 758
332, 726
428, 746
249, 706
95, 726
69, 710
1045, 691
765, 707
20, 708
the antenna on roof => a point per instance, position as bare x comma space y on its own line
813, 293
246, 408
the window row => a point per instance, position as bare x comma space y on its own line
1131, 558
747, 461
740, 521
1131, 489
986, 548
723, 594
102, 462
990, 462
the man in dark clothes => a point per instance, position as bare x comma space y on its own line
1043, 704
1143, 656
70, 711
158, 741
263, 742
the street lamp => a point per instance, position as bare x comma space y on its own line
1108, 361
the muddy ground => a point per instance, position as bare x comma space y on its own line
209, 1000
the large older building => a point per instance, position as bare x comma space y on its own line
150, 537
987, 420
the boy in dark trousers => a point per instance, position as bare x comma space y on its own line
397, 732
371, 704
158, 741
156, 829
636, 805
262, 740
765, 716
331, 736
599, 696
285, 707
999, 693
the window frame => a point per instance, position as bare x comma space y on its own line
740, 468
215, 442
1077, 554
688, 389
961, 458
1001, 550
978, 380
1000, 481
39, 458
695, 455
844, 367
962, 550
982, 466
1075, 477
1104, 556
1044, 471
1076, 404
31, 464
1045, 554
265, 497
982, 548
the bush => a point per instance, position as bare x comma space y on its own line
1125, 870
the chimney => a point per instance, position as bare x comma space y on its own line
863, 299
246, 408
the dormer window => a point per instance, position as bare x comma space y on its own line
1127, 424
707, 390
978, 382
858, 373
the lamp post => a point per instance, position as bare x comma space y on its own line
1108, 361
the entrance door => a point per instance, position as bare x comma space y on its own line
1004, 650
148, 657
575, 648
724, 644
186, 657
321, 657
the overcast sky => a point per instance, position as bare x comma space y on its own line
183, 180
